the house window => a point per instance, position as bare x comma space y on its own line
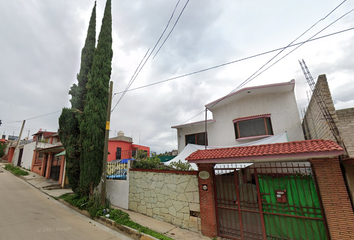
196, 138
253, 127
119, 153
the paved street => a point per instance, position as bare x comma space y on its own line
27, 213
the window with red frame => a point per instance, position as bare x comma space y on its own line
253, 127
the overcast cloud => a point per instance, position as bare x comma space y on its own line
41, 42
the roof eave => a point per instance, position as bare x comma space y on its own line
210, 105
301, 157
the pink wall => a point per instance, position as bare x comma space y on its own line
126, 147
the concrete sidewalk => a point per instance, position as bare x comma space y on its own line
167, 229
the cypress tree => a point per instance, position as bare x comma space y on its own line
69, 128
92, 127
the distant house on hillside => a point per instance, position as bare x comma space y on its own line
122, 147
247, 115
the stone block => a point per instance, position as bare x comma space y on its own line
194, 207
142, 209
177, 205
190, 197
171, 187
149, 212
172, 211
183, 179
180, 216
185, 224
164, 210
184, 210
168, 203
160, 204
192, 186
156, 211
177, 222
160, 198
168, 218
182, 197
133, 206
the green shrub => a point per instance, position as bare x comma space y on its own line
117, 215
147, 163
75, 199
15, 170
181, 166
94, 205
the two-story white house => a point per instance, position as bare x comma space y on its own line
247, 115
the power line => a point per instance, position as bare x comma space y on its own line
138, 69
185, 5
42, 115
131, 80
235, 61
246, 81
253, 76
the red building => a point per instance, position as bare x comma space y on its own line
122, 147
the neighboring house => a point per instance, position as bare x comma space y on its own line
247, 115
122, 147
316, 126
47, 159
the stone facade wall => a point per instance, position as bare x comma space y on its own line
346, 127
170, 196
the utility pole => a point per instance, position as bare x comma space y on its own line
15, 157
105, 153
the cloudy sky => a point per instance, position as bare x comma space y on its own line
41, 42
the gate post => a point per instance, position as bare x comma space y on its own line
207, 199
335, 199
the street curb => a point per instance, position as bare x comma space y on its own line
135, 234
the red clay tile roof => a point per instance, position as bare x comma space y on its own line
276, 149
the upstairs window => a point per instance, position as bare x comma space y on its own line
250, 127
196, 138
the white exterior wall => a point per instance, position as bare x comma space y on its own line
118, 192
281, 106
182, 132
27, 155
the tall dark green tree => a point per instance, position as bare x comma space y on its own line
69, 128
93, 126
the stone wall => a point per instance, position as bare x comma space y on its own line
170, 196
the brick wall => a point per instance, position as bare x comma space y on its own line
335, 199
314, 124
207, 201
346, 127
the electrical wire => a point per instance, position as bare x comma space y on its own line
253, 76
130, 81
138, 69
185, 5
322, 19
235, 61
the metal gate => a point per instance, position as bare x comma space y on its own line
268, 201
